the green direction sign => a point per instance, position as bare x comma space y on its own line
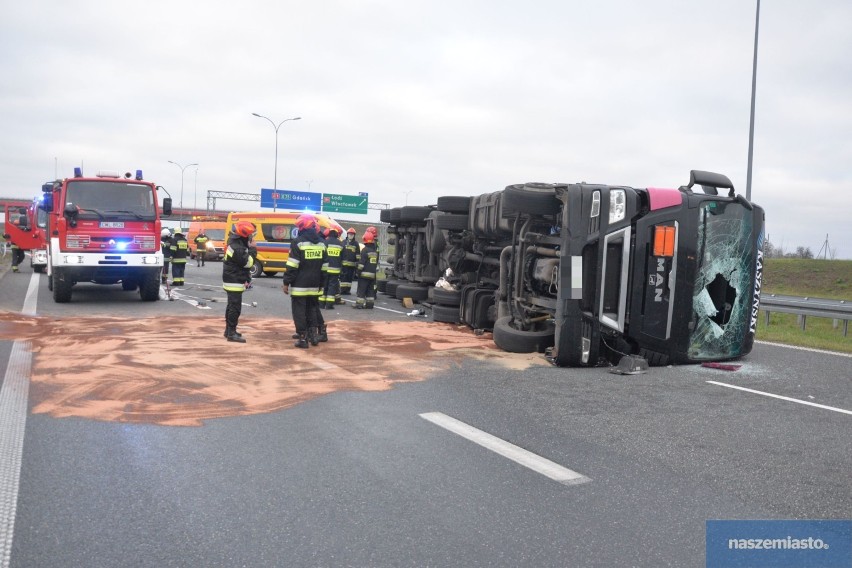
332, 203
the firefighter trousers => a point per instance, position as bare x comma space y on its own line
306, 312
233, 309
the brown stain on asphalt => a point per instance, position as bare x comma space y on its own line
181, 371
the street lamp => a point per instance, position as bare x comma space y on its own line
195, 193
276, 140
406, 195
182, 168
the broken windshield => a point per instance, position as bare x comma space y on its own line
724, 280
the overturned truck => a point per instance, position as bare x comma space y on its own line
587, 273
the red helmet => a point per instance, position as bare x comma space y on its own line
306, 221
244, 229
368, 238
351, 231
373, 230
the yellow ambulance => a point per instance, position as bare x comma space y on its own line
275, 231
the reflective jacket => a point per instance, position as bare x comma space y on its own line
201, 243
351, 250
166, 245
236, 264
369, 261
306, 264
180, 249
334, 250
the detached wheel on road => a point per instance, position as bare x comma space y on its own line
514, 340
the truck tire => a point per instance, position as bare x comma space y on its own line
416, 293
149, 286
531, 198
514, 340
413, 215
38, 268
384, 215
61, 289
446, 314
391, 286
451, 222
446, 297
454, 204
256, 269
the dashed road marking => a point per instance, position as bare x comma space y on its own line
508, 450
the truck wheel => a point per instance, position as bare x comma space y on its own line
391, 286
256, 270
452, 222
416, 293
446, 314
514, 340
454, 204
61, 289
531, 198
446, 297
38, 268
149, 286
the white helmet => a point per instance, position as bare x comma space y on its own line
165, 233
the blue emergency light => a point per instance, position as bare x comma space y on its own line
78, 172
139, 175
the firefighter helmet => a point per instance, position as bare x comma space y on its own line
165, 233
306, 221
373, 231
351, 231
368, 238
244, 229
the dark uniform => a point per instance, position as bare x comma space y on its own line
349, 262
303, 280
366, 269
180, 251
166, 246
201, 248
331, 290
235, 274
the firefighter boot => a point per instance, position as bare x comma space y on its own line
234, 336
323, 334
369, 305
302, 342
312, 336
229, 331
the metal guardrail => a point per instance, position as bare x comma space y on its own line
804, 307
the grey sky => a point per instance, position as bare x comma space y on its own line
436, 98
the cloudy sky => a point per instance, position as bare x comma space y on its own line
409, 100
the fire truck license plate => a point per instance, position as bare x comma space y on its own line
112, 225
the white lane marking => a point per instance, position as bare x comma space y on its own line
526, 458
13, 420
32, 296
811, 349
778, 396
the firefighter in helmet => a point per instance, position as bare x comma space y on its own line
303, 281
180, 251
166, 246
334, 250
201, 247
366, 270
235, 274
349, 261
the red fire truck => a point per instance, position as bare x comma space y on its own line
25, 227
104, 229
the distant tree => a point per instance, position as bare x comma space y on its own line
802, 252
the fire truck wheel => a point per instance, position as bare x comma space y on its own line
149, 287
514, 340
61, 289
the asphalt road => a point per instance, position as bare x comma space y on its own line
362, 479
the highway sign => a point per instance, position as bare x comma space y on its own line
334, 203
289, 199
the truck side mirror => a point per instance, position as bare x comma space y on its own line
167, 206
71, 211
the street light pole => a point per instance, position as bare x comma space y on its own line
753, 90
195, 193
182, 168
276, 127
